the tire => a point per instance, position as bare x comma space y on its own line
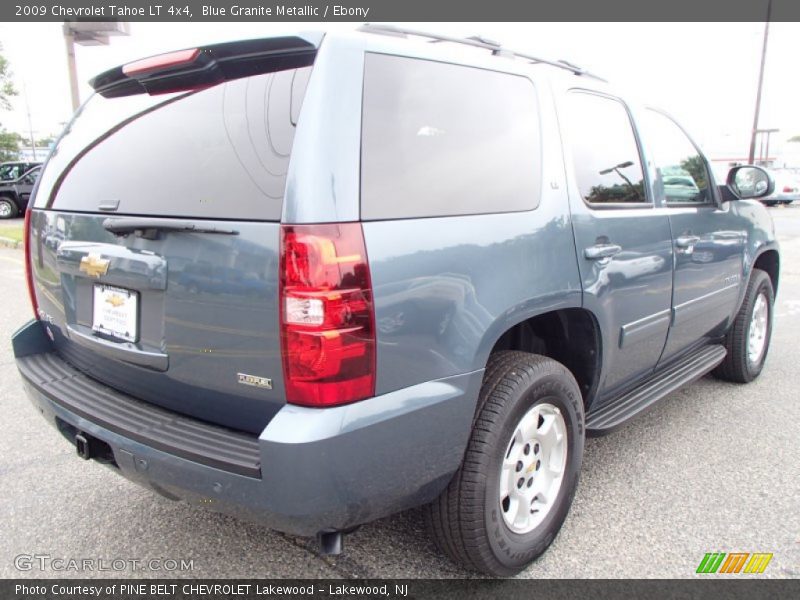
469, 522
740, 365
8, 208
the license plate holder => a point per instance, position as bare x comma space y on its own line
115, 312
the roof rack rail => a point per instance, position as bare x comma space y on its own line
476, 42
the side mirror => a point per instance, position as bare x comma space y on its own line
749, 181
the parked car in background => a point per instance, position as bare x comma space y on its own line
14, 195
787, 189
14, 170
680, 188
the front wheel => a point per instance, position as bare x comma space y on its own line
748, 340
511, 495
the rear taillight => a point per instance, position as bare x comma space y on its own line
788, 190
29, 263
327, 316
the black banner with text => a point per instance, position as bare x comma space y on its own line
653, 589
407, 10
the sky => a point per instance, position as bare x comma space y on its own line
704, 74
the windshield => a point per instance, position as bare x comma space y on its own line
220, 152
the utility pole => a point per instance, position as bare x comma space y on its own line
30, 123
69, 40
87, 33
752, 155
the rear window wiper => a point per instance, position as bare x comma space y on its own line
149, 228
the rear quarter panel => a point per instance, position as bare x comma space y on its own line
446, 288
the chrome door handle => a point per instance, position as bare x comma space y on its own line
602, 251
686, 241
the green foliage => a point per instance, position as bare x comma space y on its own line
9, 145
9, 141
13, 231
697, 169
7, 89
795, 138
622, 193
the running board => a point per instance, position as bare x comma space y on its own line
608, 417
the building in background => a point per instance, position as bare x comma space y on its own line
29, 154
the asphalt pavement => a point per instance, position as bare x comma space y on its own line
715, 467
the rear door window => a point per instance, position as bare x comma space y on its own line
30, 177
11, 172
221, 152
605, 153
441, 139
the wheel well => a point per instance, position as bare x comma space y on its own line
769, 261
571, 336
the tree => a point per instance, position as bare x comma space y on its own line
795, 138
9, 141
697, 169
7, 89
9, 145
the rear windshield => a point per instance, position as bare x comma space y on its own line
217, 153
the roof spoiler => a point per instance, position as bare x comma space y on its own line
207, 65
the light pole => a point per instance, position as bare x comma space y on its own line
87, 33
30, 123
617, 168
752, 155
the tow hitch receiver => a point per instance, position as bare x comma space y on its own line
86, 445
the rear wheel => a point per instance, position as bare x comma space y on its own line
748, 340
511, 495
8, 208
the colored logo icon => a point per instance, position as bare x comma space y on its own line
734, 562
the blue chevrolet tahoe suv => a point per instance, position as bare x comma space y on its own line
467, 259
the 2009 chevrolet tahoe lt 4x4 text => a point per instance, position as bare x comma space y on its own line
317, 280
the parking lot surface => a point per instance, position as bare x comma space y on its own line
715, 467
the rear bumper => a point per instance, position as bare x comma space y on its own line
310, 470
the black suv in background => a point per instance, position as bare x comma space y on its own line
14, 194
14, 170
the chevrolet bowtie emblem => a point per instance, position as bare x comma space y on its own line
94, 265
115, 300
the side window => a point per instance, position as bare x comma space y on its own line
31, 177
441, 139
15, 172
605, 154
680, 166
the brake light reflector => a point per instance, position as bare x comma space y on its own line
788, 190
29, 263
162, 61
327, 315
